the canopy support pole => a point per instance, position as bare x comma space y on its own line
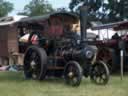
121, 64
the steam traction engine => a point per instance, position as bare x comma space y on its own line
63, 53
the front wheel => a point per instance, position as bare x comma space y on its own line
100, 73
73, 73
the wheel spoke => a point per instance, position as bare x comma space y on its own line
33, 65
73, 80
99, 74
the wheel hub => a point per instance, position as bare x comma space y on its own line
33, 64
70, 74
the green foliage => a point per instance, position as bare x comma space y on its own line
104, 10
37, 7
5, 7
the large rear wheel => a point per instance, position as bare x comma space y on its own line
35, 61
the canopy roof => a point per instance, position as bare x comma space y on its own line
122, 25
47, 16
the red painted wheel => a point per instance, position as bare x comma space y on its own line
105, 55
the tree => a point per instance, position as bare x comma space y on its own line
37, 7
103, 10
5, 7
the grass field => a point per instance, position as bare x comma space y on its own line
14, 84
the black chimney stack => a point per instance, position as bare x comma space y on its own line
83, 21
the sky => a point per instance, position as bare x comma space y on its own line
19, 4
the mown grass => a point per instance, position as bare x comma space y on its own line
14, 84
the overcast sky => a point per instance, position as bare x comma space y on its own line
19, 4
